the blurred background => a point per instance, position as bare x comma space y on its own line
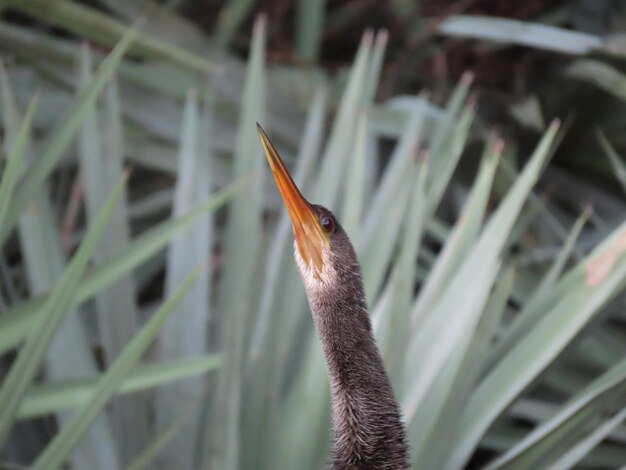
401, 116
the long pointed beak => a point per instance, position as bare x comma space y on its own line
309, 234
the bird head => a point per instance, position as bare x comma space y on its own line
315, 228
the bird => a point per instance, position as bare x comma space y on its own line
368, 432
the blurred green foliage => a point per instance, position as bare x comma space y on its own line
495, 279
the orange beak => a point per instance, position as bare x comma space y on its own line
307, 230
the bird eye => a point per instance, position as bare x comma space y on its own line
328, 223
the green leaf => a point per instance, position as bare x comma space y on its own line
100, 155
572, 422
57, 451
355, 184
184, 334
391, 319
458, 312
399, 163
447, 124
447, 156
232, 14
432, 454
310, 26
53, 396
101, 28
451, 389
600, 74
337, 151
15, 324
427, 390
619, 167
242, 251
460, 240
145, 457
152, 450
579, 451
100, 152
377, 254
581, 293
537, 304
10, 114
509, 31
56, 306
69, 353
375, 67
63, 133
14, 162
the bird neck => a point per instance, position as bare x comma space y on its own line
368, 432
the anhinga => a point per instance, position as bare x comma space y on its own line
368, 431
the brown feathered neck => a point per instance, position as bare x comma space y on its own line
368, 431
